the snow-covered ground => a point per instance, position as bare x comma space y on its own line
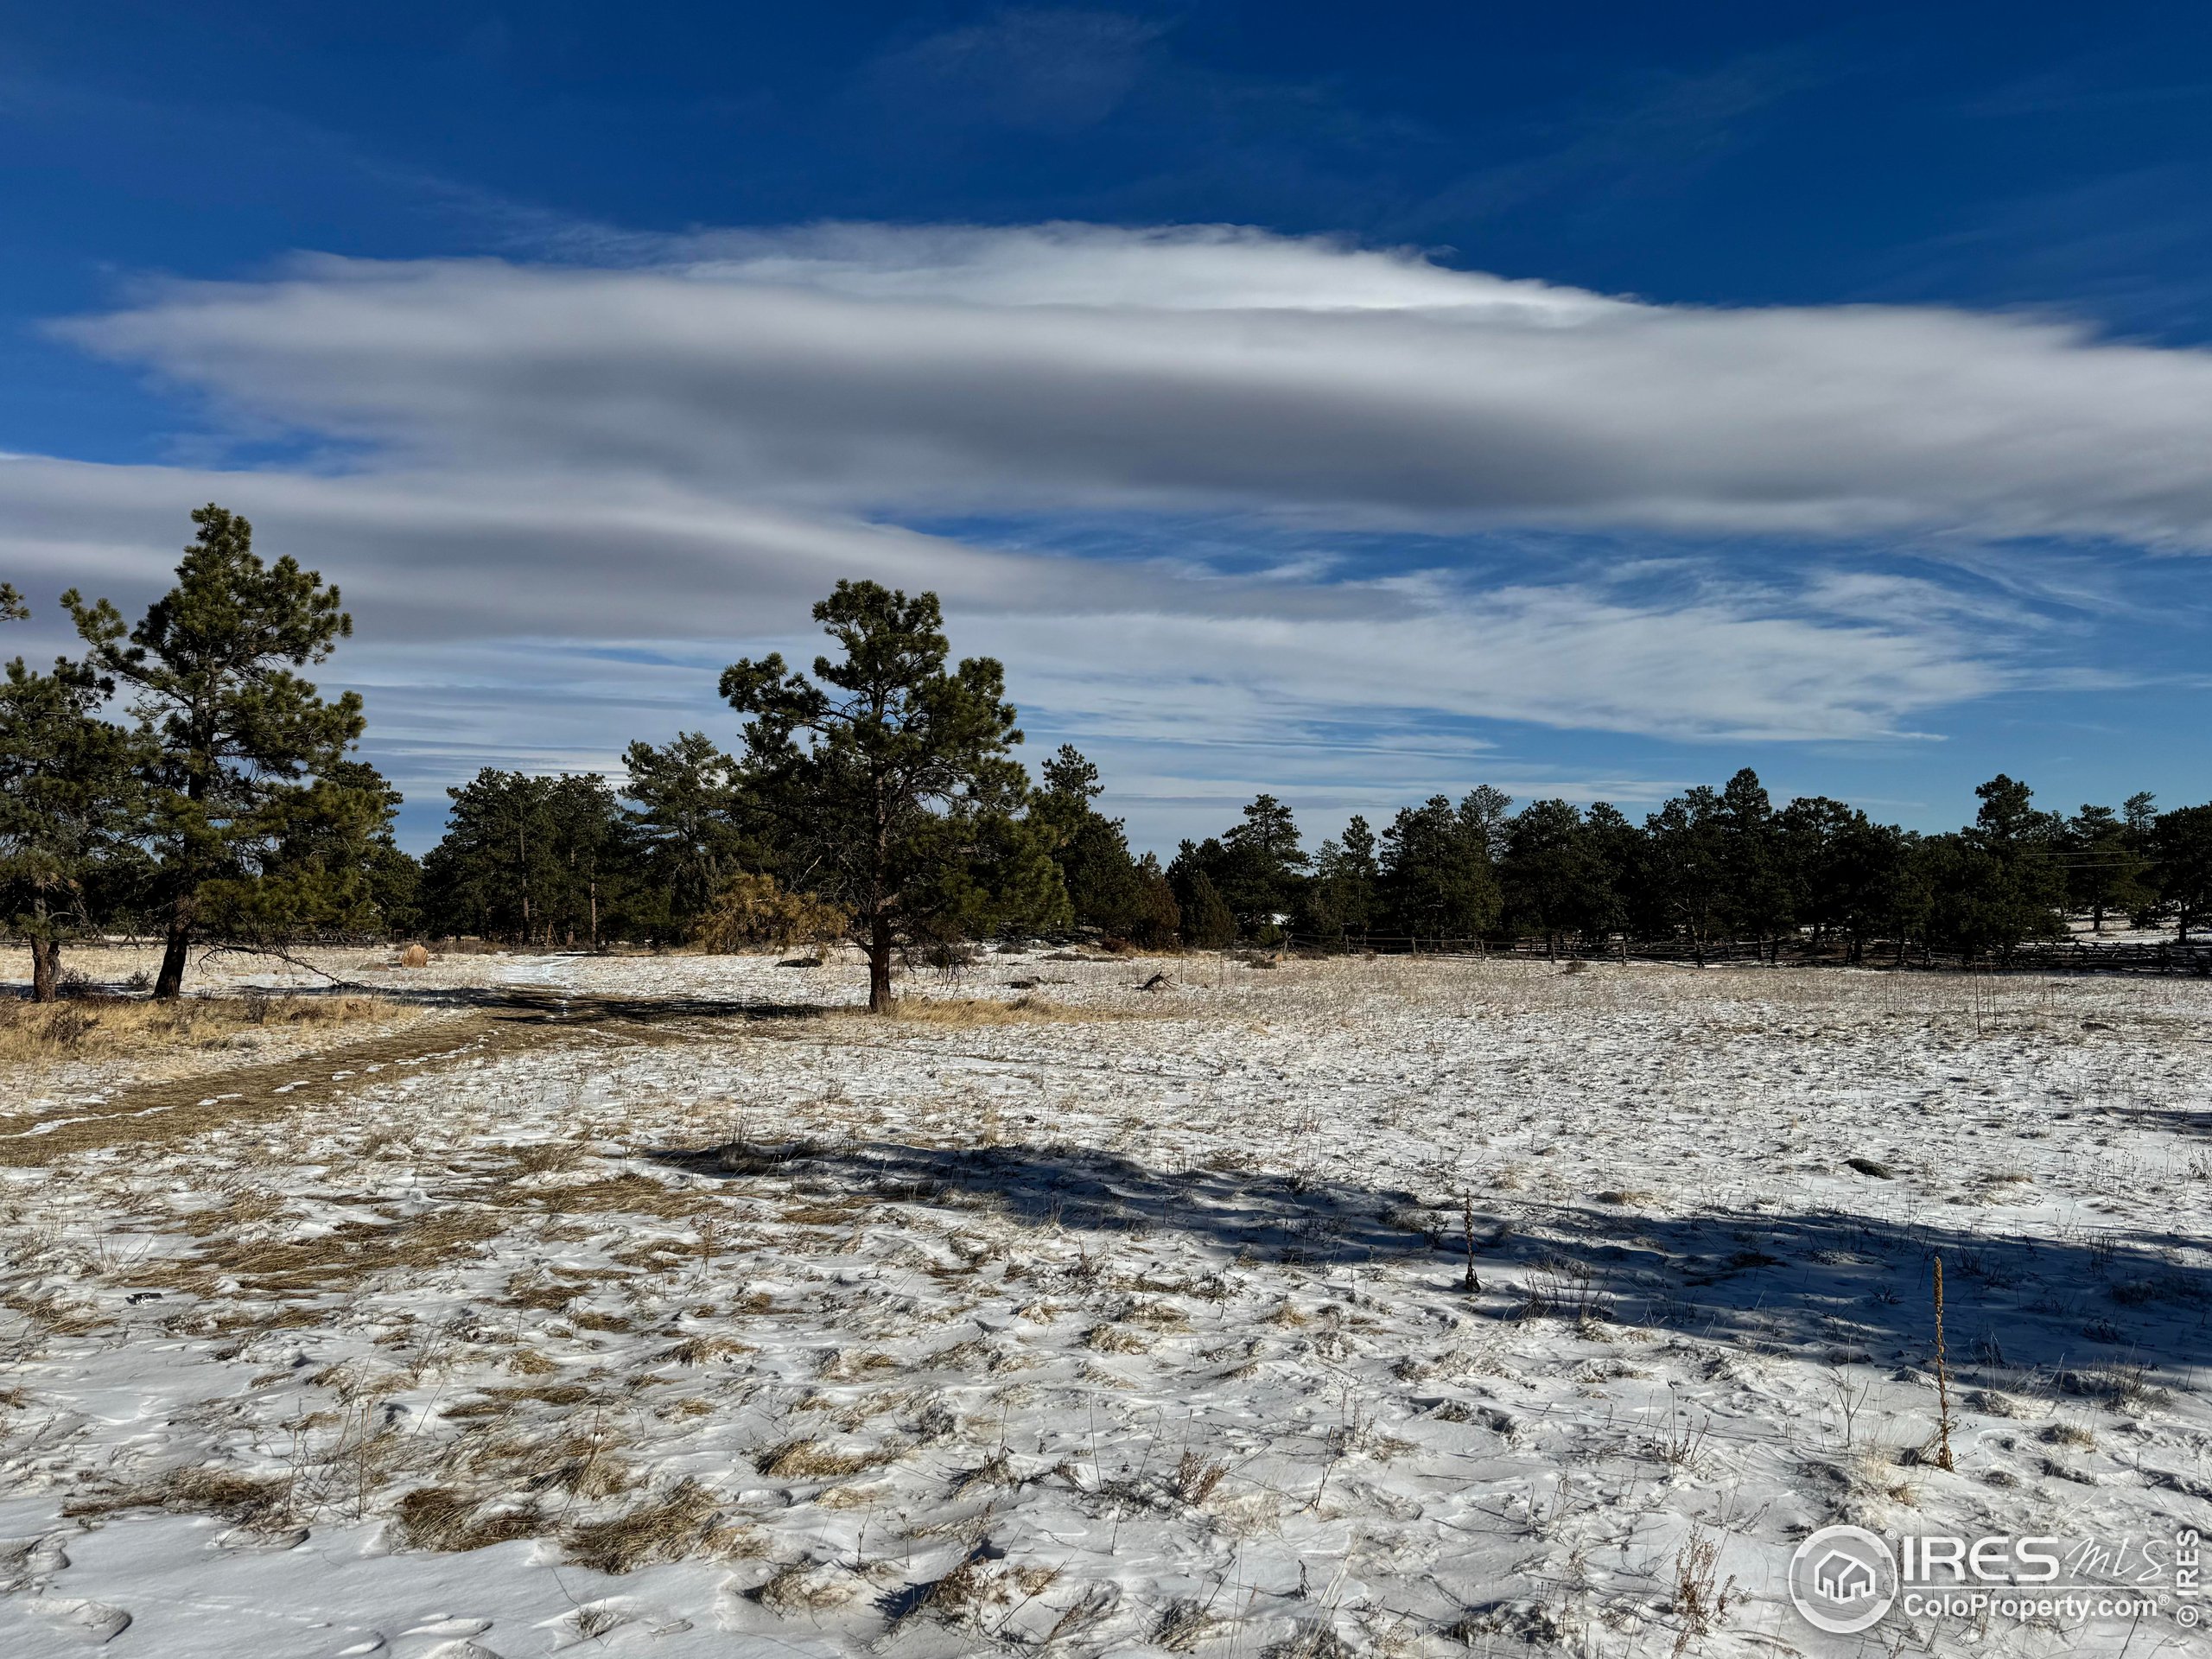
696, 1315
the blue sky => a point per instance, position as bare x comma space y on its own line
1358, 403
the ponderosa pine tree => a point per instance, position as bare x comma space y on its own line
687, 823
490, 873
1159, 919
1553, 880
394, 876
546, 861
1754, 864
239, 739
1485, 811
68, 799
1103, 885
1207, 921
2106, 872
2182, 842
1261, 867
1618, 847
331, 859
1999, 881
2139, 814
1340, 900
892, 778
1686, 863
1436, 882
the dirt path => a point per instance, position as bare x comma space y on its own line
177, 1108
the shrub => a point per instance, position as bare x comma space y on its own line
752, 911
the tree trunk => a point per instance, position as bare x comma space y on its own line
879, 965
45, 963
169, 985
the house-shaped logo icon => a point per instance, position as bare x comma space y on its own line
1843, 1578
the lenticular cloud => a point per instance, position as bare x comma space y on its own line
882, 369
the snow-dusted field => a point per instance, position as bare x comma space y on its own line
659, 1307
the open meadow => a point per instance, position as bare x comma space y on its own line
671, 1305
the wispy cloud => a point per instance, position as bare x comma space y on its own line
879, 370
513, 467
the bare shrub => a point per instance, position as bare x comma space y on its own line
1700, 1602
1195, 1477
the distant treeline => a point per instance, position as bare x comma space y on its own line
878, 800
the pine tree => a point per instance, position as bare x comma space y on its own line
545, 860
1553, 880
1158, 918
1618, 849
239, 738
1339, 901
895, 785
2105, 869
2140, 813
491, 873
69, 800
2182, 842
1262, 868
1753, 863
687, 823
1092, 850
1998, 882
1436, 879
333, 838
1485, 812
1208, 923
1688, 866
1847, 874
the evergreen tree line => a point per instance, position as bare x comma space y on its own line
1711, 865
876, 799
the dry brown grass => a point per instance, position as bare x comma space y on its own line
639, 1193
499, 1401
342, 1256
249, 1500
441, 1518
681, 1522
813, 1460
961, 1012
91, 1026
698, 1351
805, 1587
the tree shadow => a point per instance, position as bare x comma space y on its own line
1830, 1287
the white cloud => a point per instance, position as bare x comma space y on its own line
1061, 366
528, 478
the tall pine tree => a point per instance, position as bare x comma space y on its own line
894, 779
239, 739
